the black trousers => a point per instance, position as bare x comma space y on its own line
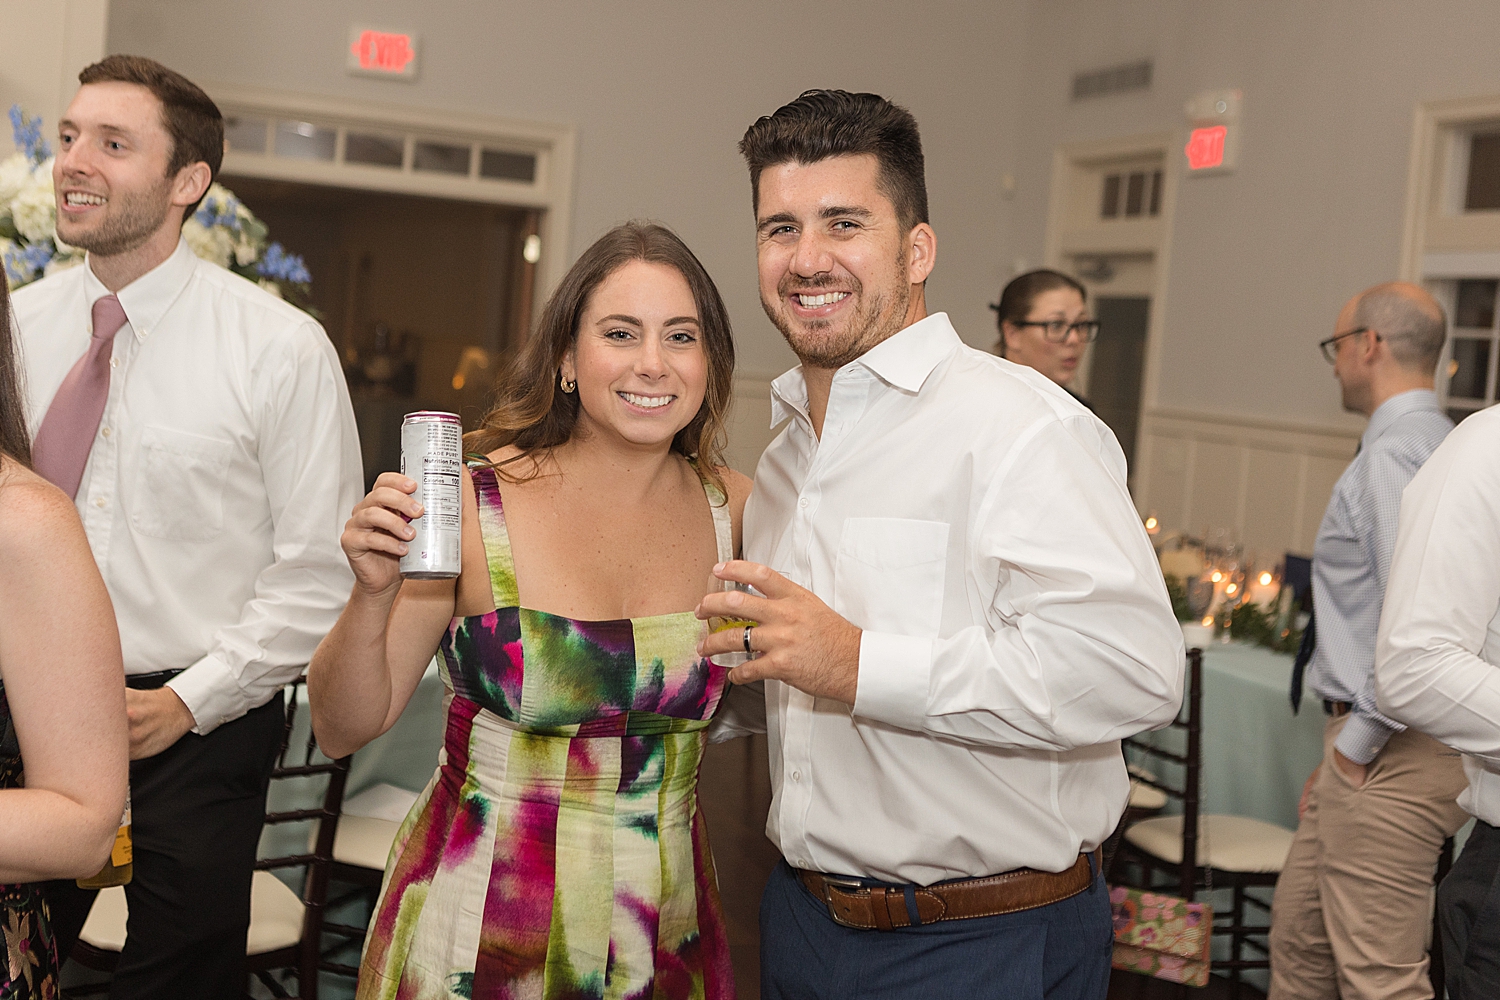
196, 814
1468, 906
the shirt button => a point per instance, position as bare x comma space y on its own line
802, 502
114, 362
796, 775
100, 502
104, 431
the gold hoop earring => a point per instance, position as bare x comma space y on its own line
565, 383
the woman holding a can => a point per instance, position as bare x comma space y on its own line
559, 850
63, 744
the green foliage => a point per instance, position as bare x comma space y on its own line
1251, 623
1177, 591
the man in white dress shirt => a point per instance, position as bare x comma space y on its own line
962, 614
206, 432
1437, 669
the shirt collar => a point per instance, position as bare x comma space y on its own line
903, 360
1393, 409
147, 298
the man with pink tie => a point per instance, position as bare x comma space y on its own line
204, 430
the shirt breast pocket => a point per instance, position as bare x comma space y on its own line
888, 574
179, 490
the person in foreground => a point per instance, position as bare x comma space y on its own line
1437, 669
1354, 895
1044, 323
559, 851
203, 430
961, 617
63, 745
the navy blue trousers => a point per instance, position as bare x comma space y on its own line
1057, 952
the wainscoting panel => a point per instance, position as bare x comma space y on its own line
1266, 481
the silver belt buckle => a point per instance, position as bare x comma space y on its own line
829, 883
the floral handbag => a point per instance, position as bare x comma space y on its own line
1162, 936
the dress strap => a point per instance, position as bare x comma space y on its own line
718, 505
493, 533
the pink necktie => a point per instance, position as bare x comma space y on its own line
61, 449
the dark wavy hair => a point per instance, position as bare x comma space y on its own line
15, 443
532, 412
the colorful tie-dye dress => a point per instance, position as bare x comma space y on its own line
559, 851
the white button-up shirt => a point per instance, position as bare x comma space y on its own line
1437, 660
973, 520
224, 467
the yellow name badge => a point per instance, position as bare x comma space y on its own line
122, 853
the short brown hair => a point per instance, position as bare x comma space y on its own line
191, 117
532, 412
825, 123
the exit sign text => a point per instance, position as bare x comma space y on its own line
390, 54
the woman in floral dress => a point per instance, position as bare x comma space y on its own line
559, 851
62, 700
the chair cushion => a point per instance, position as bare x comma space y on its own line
1228, 843
1145, 798
275, 917
362, 841
105, 927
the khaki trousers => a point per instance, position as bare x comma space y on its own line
1352, 911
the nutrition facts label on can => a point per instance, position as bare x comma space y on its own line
442, 476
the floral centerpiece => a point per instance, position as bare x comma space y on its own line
222, 230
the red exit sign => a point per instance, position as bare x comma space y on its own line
382, 53
1205, 147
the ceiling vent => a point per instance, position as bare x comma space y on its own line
1114, 80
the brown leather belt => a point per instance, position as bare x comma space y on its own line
884, 908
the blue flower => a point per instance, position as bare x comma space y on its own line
278, 265
27, 134
22, 263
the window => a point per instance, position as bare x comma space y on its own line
1482, 186
1467, 371
1141, 190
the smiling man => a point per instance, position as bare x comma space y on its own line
961, 617
203, 428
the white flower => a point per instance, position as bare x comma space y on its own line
245, 252
270, 286
215, 245
34, 210
15, 172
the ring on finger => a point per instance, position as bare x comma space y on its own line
748, 650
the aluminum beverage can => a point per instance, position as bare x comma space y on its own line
432, 454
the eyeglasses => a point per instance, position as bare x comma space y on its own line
1330, 348
1056, 331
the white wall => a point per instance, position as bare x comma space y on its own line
43, 45
660, 93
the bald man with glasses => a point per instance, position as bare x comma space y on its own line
1352, 902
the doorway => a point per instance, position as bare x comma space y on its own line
1117, 363
424, 298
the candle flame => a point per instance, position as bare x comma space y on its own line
1217, 577
1231, 588
1265, 579
1207, 620
1150, 524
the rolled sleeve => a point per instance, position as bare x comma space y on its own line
893, 676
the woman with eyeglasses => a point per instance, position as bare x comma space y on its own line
1044, 324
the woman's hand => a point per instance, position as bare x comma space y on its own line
375, 537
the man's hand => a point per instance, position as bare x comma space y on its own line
798, 639
157, 720
1306, 794
1356, 773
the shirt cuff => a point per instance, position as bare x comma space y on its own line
1362, 738
211, 691
893, 676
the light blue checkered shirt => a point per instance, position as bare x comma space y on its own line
1352, 557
